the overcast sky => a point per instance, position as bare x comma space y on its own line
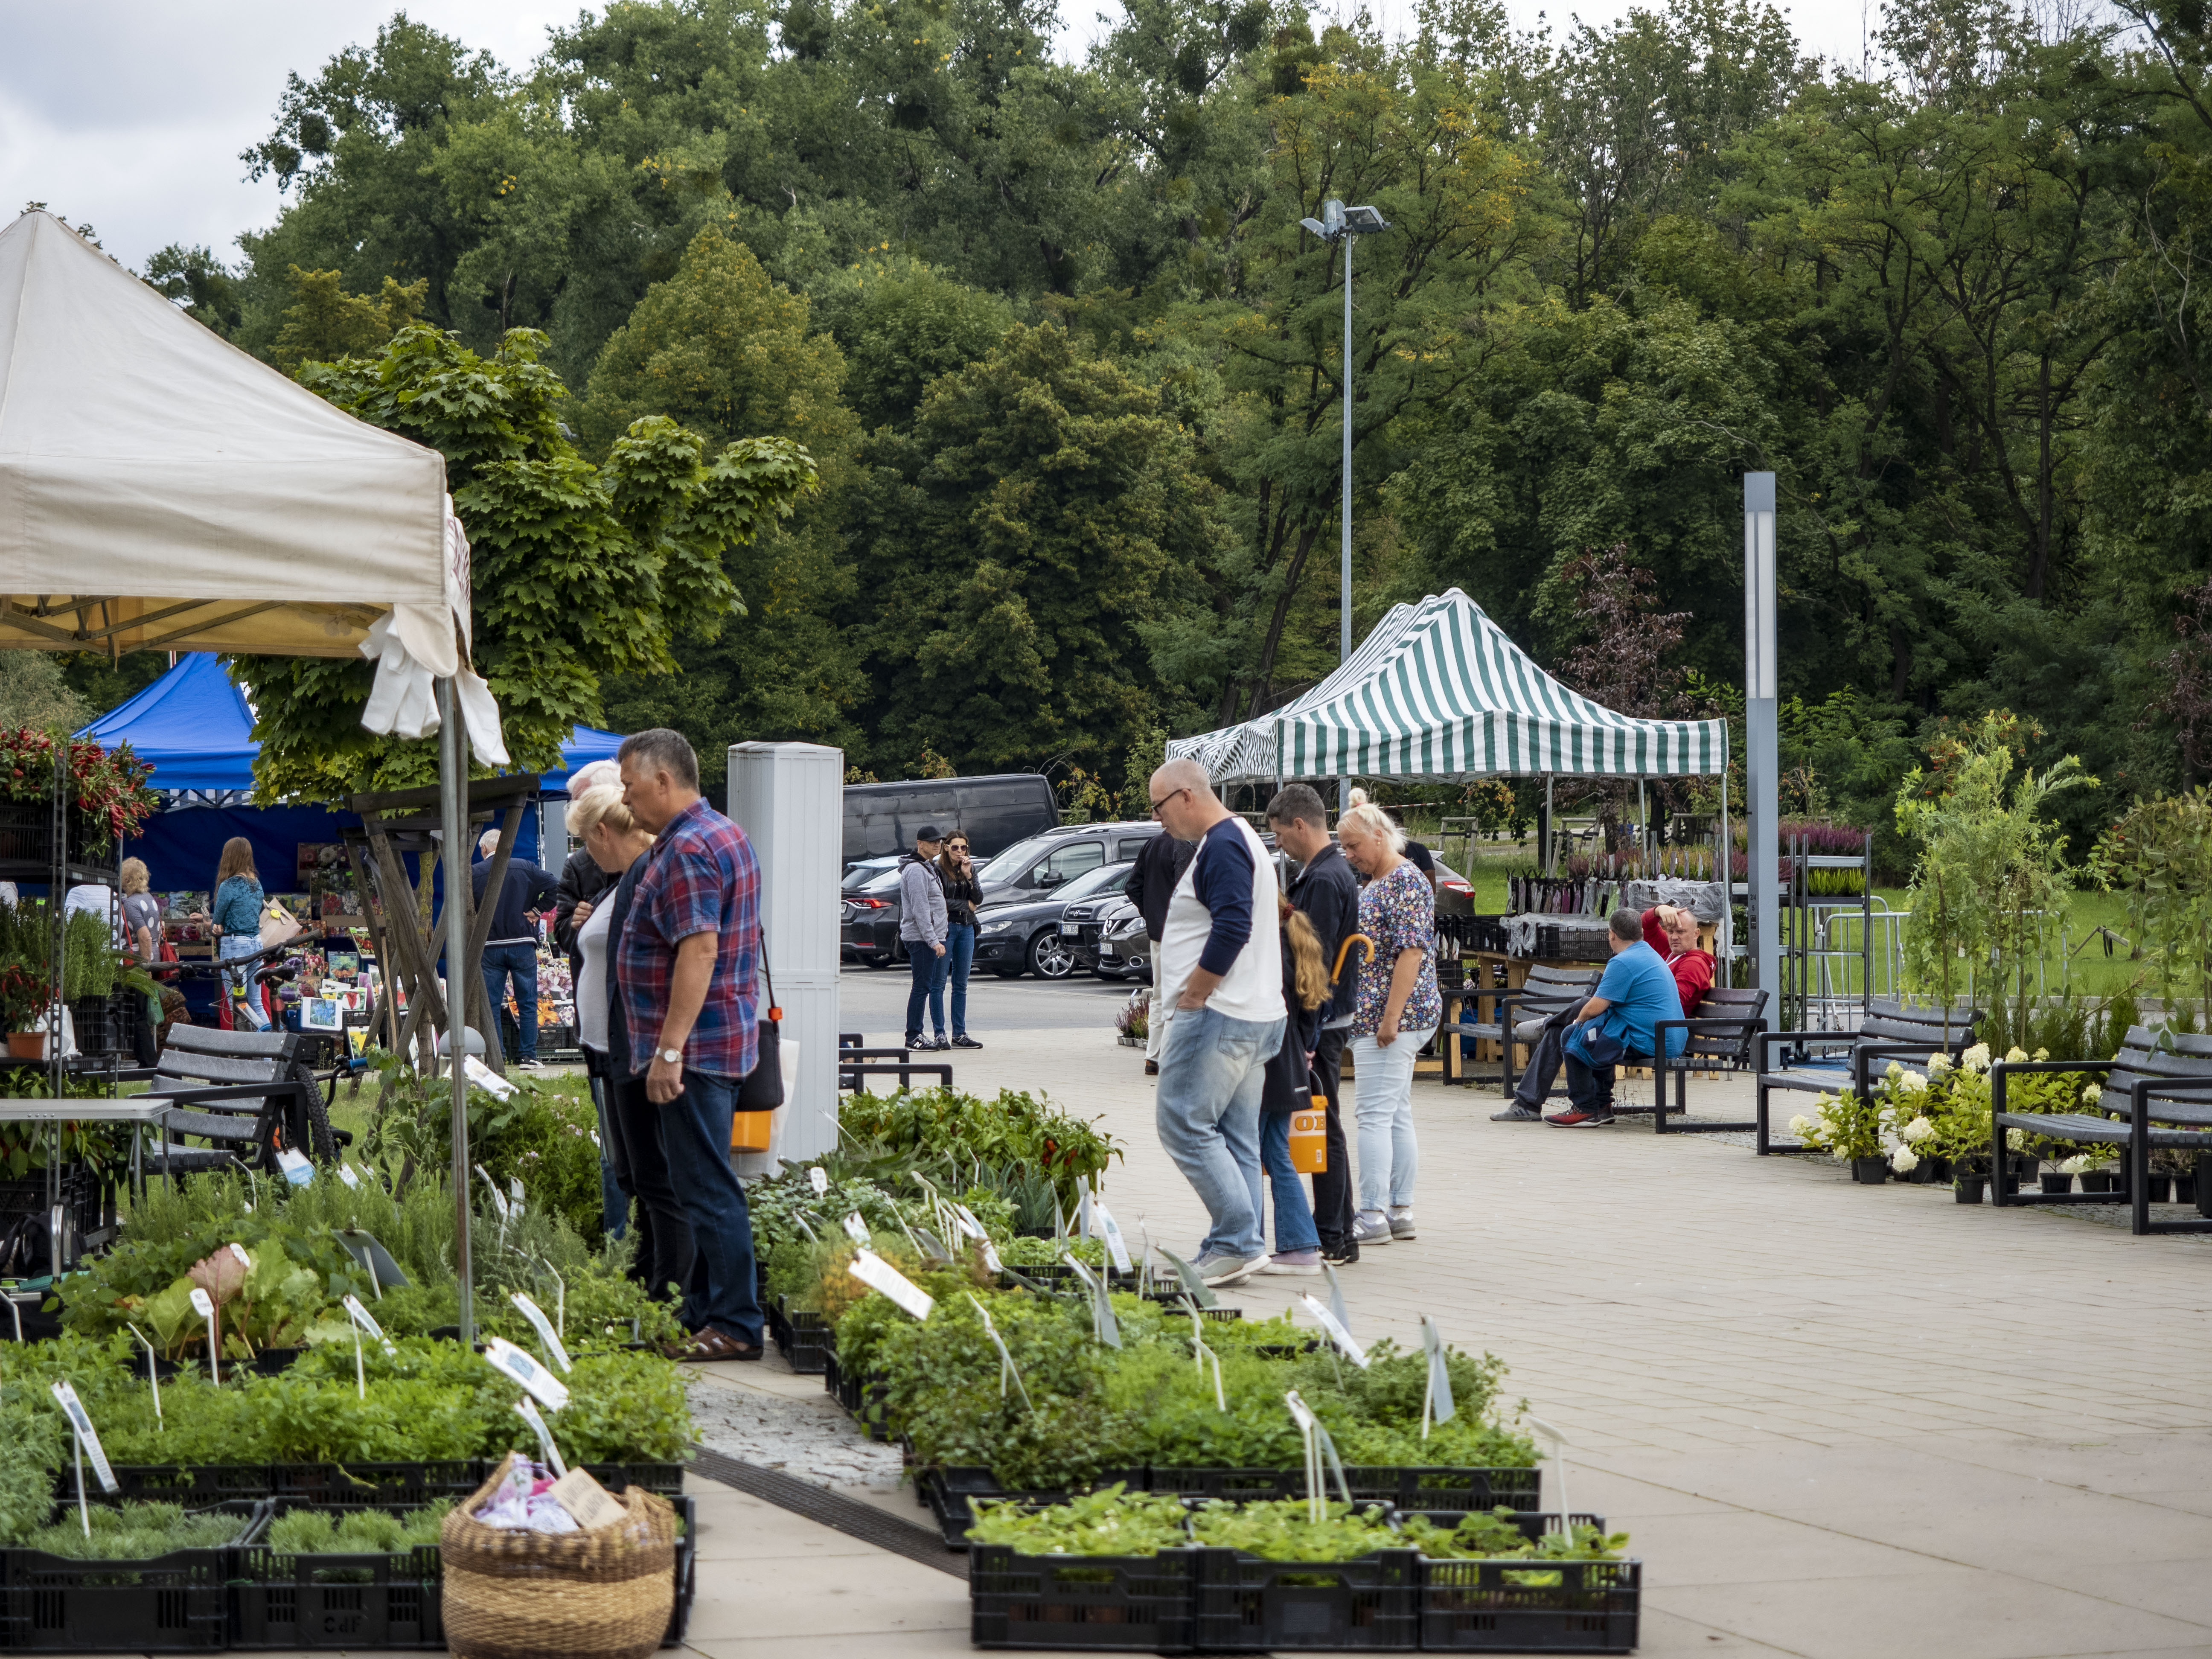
130, 115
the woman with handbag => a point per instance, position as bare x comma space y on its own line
1399, 1011
237, 910
630, 1124
963, 893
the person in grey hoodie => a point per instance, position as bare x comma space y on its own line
921, 925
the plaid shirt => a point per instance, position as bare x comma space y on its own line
699, 876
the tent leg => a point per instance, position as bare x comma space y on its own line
1725, 862
452, 783
1544, 852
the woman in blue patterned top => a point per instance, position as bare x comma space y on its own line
1399, 1009
237, 915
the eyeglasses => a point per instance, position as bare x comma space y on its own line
1165, 798
959, 847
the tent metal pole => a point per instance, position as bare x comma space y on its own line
1551, 834
1725, 861
1344, 590
452, 787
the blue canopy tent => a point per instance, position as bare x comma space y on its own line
196, 729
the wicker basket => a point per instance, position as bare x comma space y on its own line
601, 1594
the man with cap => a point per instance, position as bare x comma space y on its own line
921, 926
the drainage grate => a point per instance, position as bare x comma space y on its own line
849, 1515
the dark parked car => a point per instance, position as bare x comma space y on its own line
1024, 936
1109, 938
992, 812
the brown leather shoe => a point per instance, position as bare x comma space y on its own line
710, 1345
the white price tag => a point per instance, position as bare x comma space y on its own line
528, 1413
819, 1178
498, 1198
1337, 1333
482, 1077
202, 1304
543, 1326
73, 1408
1300, 1413
857, 1229
346, 1175
503, 1356
359, 1315
1115, 1246
589, 1502
878, 1274
244, 1260
514, 1187
296, 1169
974, 1228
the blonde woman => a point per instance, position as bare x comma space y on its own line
632, 1153
237, 908
1398, 1012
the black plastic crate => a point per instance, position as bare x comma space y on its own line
195, 1486
686, 1570
665, 1479
1518, 1606
1091, 1604
1060, 1276
172, 1603
288, 1602
1403, 1488
87, 1202
806, 1339
374, 1486
1246, 1605
950, 1494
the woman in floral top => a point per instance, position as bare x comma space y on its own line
1398, 1013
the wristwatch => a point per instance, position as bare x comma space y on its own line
669, 1056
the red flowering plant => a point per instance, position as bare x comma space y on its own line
108, 787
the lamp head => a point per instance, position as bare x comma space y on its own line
1317, 228
1364, 220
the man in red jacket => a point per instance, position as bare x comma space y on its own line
1673, 934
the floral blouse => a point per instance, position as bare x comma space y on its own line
1398, 912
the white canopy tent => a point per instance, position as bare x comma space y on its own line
161, 489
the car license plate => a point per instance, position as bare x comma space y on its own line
1070, 929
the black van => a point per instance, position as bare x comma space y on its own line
993, 812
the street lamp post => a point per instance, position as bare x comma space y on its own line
1339, 223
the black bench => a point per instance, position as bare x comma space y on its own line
248, 1094
1723, 1035
1890, 1031
2157, 1079
1546, 991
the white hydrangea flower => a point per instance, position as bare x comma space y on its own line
1895, 1071
1939, 1064
2090, 1093
1800, 1126
2015, 1139
1902, 1161
1918, 1130
1976, 1059
1912, 1082
2015, 1055
2041, 1055
2073, 1166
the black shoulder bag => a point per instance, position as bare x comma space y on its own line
761, 1089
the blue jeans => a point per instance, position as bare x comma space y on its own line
1389, 1156
959, 956
1207, 1111
928, 969
1294, 1221
614, 1197
519, 963
722, 1291
242, 944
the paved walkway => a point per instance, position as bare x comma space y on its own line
1838, 1420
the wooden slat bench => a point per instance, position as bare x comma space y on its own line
255, 1094
2162, 1082
1543, 994
1723, 1037
1889, 1032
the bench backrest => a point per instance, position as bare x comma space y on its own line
1892, 1021
1562, 982
1725, 1048
202, 1054
2157, 1055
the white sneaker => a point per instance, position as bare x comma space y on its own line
1401, 1222
1370, 1229
1219, 1270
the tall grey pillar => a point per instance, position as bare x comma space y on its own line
790, 799
453, 822
1761, 772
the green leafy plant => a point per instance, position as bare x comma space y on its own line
134, 1532
1284, 1530
2159, 858
355, 1532
1109, 1521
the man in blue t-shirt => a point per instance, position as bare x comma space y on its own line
1633, 994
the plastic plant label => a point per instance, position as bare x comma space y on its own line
543, 1327
503, 1356
515, 1190
346, 1175
375, 1260
1337, 1333
296, 1169
528, 1413
498, 1198
878, 1274
1439, 1407
360, 1317
202, 1303
1301, 1413
482, 1077
819, 1178
73, 1408
1104, 1325
974, 1228
244, 1260
857, 1231
1115, 1247
592, 1505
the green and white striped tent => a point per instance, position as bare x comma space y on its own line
1436, 690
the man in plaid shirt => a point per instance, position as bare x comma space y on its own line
685, 970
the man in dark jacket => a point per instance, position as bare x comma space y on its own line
511, 952
1160, 864
1329, 893
583, 881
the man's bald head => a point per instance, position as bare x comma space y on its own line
1183, 799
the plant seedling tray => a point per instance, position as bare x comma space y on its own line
864, 1400
1409, 1488
1247, 1605
1084, 1604
1519, 1607
172, 1603
806, 1340
948, 1493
